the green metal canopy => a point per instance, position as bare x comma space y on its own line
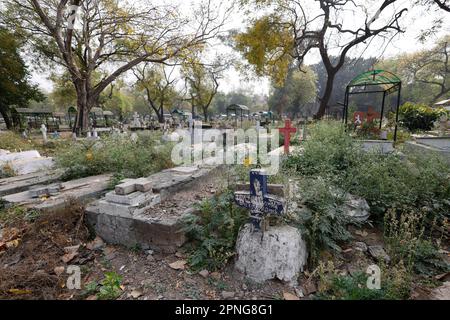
382, 78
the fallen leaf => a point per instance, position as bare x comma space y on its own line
361, 233
19, 291
91, 298
136, 293
59, 270
178, 265
71, 253
290, 296
13, 244
97, 243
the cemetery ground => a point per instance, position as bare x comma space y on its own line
407, 195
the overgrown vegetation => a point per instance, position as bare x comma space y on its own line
385, 181
115, 154
213, 231
419, 117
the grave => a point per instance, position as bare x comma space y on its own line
437, 145
147, 211
25, 182
57, 196
265, 253
25, 162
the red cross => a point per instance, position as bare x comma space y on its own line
286, 131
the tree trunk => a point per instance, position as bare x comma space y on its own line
7, 119
86, 100
161, 115
327, 95
205, 114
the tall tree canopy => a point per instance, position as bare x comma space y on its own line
293, 29
15, 88
88, 36
426, 73
297, 92
158, 84
351, 68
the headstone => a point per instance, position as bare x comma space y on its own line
134, 137
24, 134
44, 133
94, 133
286, 131
74, 136
56, 135
89, 135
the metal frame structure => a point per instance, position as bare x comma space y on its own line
236, 108
375, 81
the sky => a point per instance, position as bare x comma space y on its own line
416, 20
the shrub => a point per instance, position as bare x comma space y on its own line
110, 287
14, 142
416, 117
213, 231
329, 151
322, 220
395, 284
116, 154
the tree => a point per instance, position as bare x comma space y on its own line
426, 73
202, 82
350, 69
298, 90
113, 37
293, 30
158, 84
14, 78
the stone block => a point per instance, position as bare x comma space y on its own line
279, 253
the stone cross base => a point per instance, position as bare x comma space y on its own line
279, 253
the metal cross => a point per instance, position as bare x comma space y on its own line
257, 200
286, 131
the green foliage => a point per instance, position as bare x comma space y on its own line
393, 287
12, 215
297, 91
416, 117
117, 155
14, 83
406, 242
385, 181
320, 216
329, 151
110, 287
14, 142
267, 45
213, 231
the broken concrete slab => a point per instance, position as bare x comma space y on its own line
25, 162
81, 190
18, 156
140, 217
25, 182
21, 167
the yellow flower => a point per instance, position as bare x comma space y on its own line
89, 156
247, 161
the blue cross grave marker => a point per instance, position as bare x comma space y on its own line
257, 200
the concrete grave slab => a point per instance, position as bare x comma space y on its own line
81, 190
25, 182
144, 218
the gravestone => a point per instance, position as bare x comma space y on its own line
44, 133
278, 252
